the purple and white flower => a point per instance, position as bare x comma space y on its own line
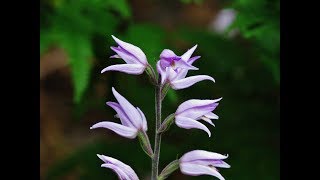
136, 60
123, 171
169, 58
190, 112
200, 162
132, 118
173, 69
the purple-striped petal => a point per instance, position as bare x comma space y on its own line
134, 50
189, 81
121, 130
186, 56
169, 58
198, 111
129, 109
126, 68
126, 56
194, 103
124, 167
121, 114
188, 123
196, 108
201, 155
197, 170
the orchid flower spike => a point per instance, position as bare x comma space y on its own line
136, 60
132, 119
173, 69
123, 171
190, 112
200, 162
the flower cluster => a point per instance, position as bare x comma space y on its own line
172, 71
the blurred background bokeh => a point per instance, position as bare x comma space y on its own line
238, 41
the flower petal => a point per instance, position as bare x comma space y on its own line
168, 58
136, 51
198, 111
129, 109
162, 72
196, 108
115, 56
221, 164
171, 74
201, 155
184, 65
124, 167
121, 114
144, 120
126, 68
168, 54
193, 59
193, 103
196, 170
122, 130
207, 120
182, 73
189, 81
125, 55
164, 63
211, 162
188, 123
186, 56
122, 175
211, 115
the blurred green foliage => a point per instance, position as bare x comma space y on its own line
259, 22
246, 70
72, 24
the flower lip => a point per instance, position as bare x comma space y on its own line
171, 59
168, 58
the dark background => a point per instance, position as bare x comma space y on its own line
75, 37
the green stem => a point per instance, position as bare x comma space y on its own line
157, 141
